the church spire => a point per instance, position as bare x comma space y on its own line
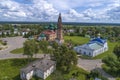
59, 21
59, 31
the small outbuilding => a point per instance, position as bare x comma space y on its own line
41, 68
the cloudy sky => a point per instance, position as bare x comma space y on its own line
71, 10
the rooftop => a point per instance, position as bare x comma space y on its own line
49, 32
42, 64
94, 44
98, 40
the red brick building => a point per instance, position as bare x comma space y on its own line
52, 34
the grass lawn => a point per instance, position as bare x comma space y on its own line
10, 69
83, 40
20, 50
77, 39
17, 51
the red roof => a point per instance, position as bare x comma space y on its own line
49, 32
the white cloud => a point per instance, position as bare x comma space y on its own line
114, 13
39, 10
47, 10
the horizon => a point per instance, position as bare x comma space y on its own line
64, 23
90, 11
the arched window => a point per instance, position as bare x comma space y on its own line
89, 54
84, 53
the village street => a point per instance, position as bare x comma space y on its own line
13, 43
17, 42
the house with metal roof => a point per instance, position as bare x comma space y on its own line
41, 68
93, 47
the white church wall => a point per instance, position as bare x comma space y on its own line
89, 52
29, 75
49, 71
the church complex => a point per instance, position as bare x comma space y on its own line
43, 67
53, 33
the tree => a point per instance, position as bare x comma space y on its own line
95, 74
65, 58
3, 35
36, 48
116, 51
112, 65
43, 45
30, 48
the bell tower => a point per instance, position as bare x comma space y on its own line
59, 29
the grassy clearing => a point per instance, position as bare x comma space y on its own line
17, 51
77, 39
10, 69
20, 50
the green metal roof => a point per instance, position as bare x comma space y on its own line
95, 46
42, 35
51, 27
46, 27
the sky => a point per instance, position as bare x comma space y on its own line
71, 10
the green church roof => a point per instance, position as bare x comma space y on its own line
42, 35
51, 27
46, 27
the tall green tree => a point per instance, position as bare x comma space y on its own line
43, 45
112, 65
30, 48
65, 58
116, 51
36, 44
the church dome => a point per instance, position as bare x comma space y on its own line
99, 40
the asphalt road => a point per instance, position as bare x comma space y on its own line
13, 43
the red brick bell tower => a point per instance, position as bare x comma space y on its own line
59, 30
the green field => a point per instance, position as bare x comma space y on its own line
17, 51
10, 69
83, 40
77, 39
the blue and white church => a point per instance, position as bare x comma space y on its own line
93, 48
